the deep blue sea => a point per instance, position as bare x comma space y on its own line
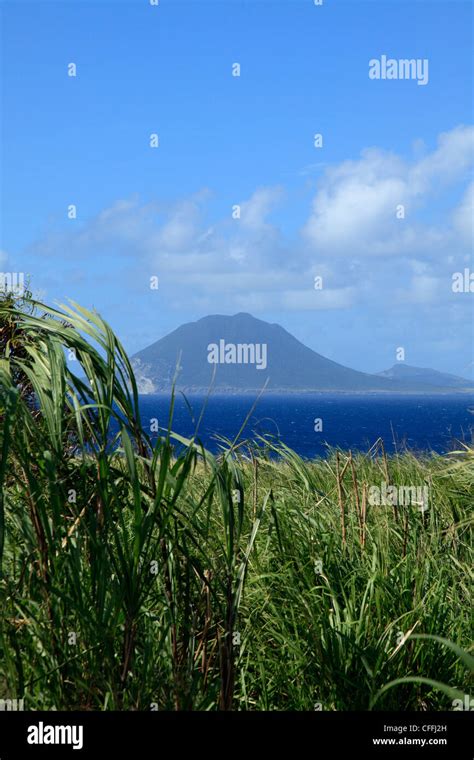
419, 423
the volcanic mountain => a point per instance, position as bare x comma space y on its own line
241, 353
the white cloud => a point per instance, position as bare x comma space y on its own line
463, 216
255, 210
355, 208
352, 238
450, 160
421, 289
182, 230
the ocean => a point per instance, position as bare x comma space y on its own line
310, 422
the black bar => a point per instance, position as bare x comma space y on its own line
313, 735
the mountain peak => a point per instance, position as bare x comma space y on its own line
241, 315
240, 352
425, 375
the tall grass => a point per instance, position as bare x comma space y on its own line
155, 575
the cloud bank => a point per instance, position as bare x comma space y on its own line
368, 227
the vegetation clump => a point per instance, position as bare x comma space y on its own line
144, 574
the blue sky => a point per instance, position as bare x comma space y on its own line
247, 140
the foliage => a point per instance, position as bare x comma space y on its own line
142, 575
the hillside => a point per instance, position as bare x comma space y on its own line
425, 376
245, 352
